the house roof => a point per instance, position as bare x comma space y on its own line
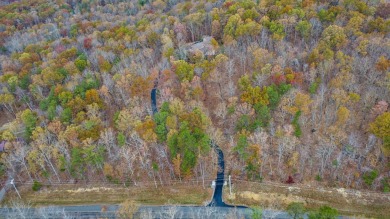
204, 46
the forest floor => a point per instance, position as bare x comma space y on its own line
76, 194
278, 196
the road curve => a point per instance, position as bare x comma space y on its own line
217, 201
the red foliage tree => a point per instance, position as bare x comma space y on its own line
295, 78
290, 180
278, 78
88, 43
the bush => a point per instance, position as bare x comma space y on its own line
385, 185
256, 213
231, 110
121, 138
325, 212
296, 210
36, 186
313, 87
369, 177
81, 62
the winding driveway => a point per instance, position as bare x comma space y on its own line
219, 181
216, 201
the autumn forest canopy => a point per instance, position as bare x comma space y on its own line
287, 89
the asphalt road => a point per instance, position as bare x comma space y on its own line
87, 211
144, 212
154, 101
219, 181
217, 201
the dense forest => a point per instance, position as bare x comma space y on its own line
287, 89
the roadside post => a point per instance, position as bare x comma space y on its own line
230, 184
12, 183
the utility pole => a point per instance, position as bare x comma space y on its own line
230, 184
12, 183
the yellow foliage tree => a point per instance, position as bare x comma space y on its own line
302, 102
381, 128
176, 106
176, 165
254, 95
146, 130
342, 115
108, 170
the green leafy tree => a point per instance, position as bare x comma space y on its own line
183, 143
121, 138
277, 30
243, 123
232, 24
76, 163
370, 176
242, 145
66, 116
304, 28
29, 120
314, 87
326, 15
334, 37
244, 82
81, 62
84, 157
24, 82
250, 28
325, 212
86, 84
297, 127
51, 111
160, 119
184, 70
386, 185
93, 155
257, 213
64, 97
296, 210
36, 186
273, 96
250, 14
190, 140
263, 114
